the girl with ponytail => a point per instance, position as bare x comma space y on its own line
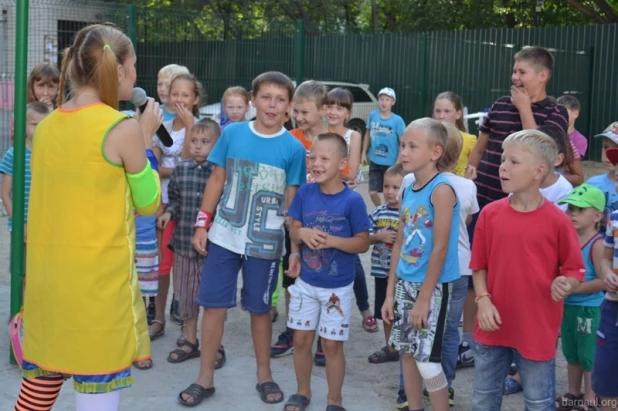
83, 314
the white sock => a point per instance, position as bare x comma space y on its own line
97, 402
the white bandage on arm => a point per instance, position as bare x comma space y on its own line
433, 375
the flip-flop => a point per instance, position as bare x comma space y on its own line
299, 401
143, 367
333, 407
220, 362
197, 393
267, 388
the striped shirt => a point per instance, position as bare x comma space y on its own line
382, 218
611, 236
185, 191
502, 120
6, 167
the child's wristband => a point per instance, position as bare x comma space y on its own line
297, 255
204, 218
481, 295
152, 158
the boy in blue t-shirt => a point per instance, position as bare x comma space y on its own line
381, 142
35, 113
607, 182
258, 167
329, 227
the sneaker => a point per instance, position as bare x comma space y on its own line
284, 345
466, 356
451, 396
402, 400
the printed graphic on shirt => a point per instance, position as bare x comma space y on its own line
251, 208
380, 150
415, 241
381, 256
584, 325
323, 260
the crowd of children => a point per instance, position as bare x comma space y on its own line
498, 232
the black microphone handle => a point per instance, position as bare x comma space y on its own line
162, 133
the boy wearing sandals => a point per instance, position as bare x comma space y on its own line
581, 316
329, 227
382, 234
258, 167
188, 179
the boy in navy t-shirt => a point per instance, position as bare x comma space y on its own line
329, 227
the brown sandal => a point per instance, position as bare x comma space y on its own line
220, 362
182, 355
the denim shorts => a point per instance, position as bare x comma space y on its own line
606, 355
220, 278
376, 177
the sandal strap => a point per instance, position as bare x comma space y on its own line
269, 387
194, 347
161, 323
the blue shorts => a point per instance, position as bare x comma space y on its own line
606, 355
220, 277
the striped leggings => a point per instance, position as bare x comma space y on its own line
40, 394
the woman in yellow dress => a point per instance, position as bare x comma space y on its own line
83, 313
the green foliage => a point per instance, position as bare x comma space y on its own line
245, 19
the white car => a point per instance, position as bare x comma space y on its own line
364, 103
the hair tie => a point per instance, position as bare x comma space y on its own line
106, 47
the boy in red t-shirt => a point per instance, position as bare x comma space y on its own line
525, 260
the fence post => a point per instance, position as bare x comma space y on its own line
132, 25
424, 58
593, 154
19, 160
300, 51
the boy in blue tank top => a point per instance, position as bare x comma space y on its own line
329, 227
582, 312
419, 285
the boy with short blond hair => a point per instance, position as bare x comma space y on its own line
525, 259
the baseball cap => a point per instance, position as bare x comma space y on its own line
387, 91
610, 132
586, 196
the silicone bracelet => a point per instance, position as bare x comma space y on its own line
481, 295
297, 255
204, 218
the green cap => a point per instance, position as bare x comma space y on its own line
585, 196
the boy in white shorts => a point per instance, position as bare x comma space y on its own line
329, 227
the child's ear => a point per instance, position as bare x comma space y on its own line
343, 164
559, 160
575, 114
544, 75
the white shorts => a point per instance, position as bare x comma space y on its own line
324, 309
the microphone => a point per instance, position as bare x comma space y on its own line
140, 100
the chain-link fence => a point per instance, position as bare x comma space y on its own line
231, 49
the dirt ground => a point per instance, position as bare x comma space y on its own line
367, 386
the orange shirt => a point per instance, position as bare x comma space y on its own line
307, 143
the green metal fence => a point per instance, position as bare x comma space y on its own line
231, 50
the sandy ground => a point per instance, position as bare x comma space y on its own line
367, 386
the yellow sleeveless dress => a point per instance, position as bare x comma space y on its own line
83, 312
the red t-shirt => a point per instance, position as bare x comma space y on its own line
523, 253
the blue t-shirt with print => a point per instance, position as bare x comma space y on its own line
608, 187
343, 215
6, 167
384, 138
418, 217
258, 169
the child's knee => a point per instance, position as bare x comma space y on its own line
331, 347
303, 340
433, 375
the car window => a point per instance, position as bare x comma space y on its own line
360, 95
